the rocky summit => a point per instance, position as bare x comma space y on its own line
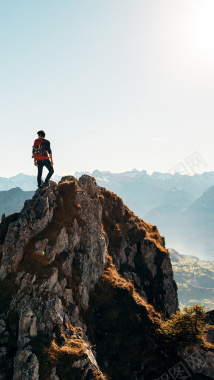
84, 286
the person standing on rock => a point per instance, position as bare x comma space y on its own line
42, 155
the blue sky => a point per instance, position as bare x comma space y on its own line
115, 84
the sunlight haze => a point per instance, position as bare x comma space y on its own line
115, 84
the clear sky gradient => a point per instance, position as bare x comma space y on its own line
115, 84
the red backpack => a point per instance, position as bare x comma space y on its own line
39, 148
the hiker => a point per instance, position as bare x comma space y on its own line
42, 155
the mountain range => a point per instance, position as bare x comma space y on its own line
188, 229
180, 205
23, 181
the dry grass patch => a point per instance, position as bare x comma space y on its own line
60, 353
97, 375
73, 345
119, 221
116, 280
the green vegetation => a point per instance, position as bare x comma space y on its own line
186, 328
195, 280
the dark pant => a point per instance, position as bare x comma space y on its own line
40, 165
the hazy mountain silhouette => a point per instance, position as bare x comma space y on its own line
189, 230
12, 201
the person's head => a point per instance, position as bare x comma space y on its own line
41, 134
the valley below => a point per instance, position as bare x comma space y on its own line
195, 280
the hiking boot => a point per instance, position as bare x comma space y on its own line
44, 186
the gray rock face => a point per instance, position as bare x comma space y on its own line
47, 285
54, 257
210, 321
201, 361
34, 217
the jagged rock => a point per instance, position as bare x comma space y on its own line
27, 326
26, 366
210, 321
53, 375
89, 184
201, 361
34, 217
77, 256
2, 326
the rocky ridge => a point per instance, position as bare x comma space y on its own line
84, 285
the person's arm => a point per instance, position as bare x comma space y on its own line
51, 158
49, 151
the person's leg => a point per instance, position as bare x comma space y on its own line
39, 177
48, 165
